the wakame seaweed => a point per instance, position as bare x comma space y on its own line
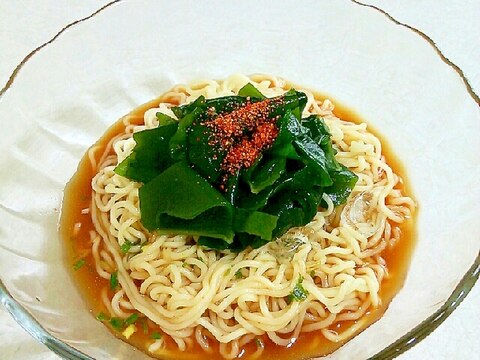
187, 189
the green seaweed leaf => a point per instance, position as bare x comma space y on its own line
180, 169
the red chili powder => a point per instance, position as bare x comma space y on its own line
244, 133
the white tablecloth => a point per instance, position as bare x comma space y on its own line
455, 28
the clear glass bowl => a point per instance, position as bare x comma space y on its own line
69, 92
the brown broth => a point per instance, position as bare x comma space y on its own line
77, 197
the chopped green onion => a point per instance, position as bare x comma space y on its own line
238, 274
131, 319
126, 246
114, 280
79, 264
298, 293
117, 323
156, 336
102, 316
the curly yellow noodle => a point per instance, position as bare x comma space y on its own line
195, 294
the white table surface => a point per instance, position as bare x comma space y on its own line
453, 26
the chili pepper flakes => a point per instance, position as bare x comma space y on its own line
243, 134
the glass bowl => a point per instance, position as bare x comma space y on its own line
68, 93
